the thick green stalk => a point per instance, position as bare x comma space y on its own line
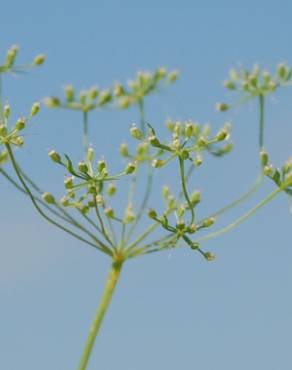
110, 286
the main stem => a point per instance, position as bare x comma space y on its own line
110, 286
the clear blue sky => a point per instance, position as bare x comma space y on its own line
170, 311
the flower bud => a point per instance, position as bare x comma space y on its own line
55, 157
48, 198
172, 76
158, 163
269, 170
6, 111
198, 160
189, 129
52, 102
129, 215
222, 135
118, 90
83, 167
11, 55
209, 256
136, 133
39, 59
3, 130
35, 109
229, 85
90, 154
264, 158
105, 97
152, 214
20, 124
165, 191
192, 228
68, 182
202, 142
99, 200
153, 140
195, 245
124, 102
288, 180
111, 190
161, 72
221, 107
282, 71
195, 197
65, 201
93, 93
19, 141
170, 124
124, 150
82, 97
180, 225
69, 93
208, 222
130, 168
184, 154
101, 165
109, 212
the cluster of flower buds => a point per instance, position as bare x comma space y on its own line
11, 55
188, 142
143, 84
282, 177
256, 82
85, 100
91, 178
13, 135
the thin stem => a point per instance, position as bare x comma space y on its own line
239, 200
110, 286
242, 218
184, 188
85, 132
142, 116
101, 247
262, 120
103, 229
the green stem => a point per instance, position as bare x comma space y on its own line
262, 120
242, 218
110, 286
85, 133
142, 116
184, 188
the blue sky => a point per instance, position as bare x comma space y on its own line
173, 311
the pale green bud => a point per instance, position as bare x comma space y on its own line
65, 201
6, 111
189, 130
288, 180
202, 142
11, 55
198, 160
83, 167
130, 168
165, 191
153, 140
105, 97
99, 200
93, 93
222, 135
55, 157
48, 198
129, 215
109, 212
180, 225
3, 157
124, 102
184, 154
208, 222
209, 256
136, 133
101, 165
52, 102
69, 93
90, 154
158, 163
19, 141
111, 190
195, 197
39, 59
161, 72
192, 228
3, 130
152, 214
282, 71
118, 90
20, 124
221, 107
172, 76
229, 85
35, 109
170, 125
264, 158
68, 182
269, 170
82, 97
124, 150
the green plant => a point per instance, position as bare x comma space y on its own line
87, 210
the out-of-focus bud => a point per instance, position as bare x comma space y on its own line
229, 85
69, 93
39, 59
52, 102
172, 76
124, 102
111, 190
124, 150
208, 222
221, 107
130, 168
20, 124
109, 212
19, 141
55, 157
6, 111
48, 198
209, 256
158, 163
83, 167
118, 90
222, 135
11, 55
152, 214
195, 197
105, 97
68, 182
136, 132
35, 109
93, 93
264, 158
90, 154
65, 201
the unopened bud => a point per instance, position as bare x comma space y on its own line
222, 107
35, 109
153, 140
130, 168
69, 93
11, 55
101, 165
208, 222
93, 93
48, 198
282, 70
20, 124
39, 59
152, 214
111, 190
124, 150
264, 158
105, 97
172, 76
158, 163
52, 102
189, 129
195, 197
124, 102
90, 154
109, 212
136, 133
229, 85
83, 167
68, 182
19, 141
209, 256
222, 135
65, 201
55, 156
6, 111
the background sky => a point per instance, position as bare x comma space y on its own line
171, 311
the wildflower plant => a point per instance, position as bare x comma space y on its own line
87, 209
